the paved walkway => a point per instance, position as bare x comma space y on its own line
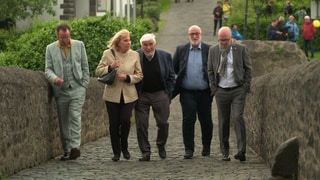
95, 161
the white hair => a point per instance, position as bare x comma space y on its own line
148, 37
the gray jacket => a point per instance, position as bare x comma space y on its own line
241, 65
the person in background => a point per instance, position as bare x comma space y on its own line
235, 33
288, 9
122, 94
308, 33
190, 65
272, 32
155, 91
283, 29
300, 14
268, 9
217, 17
229, 71
293, 29
68, 72
226, 7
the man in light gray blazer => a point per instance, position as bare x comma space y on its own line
68, 72
229, 71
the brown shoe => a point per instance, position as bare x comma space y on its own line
75, 153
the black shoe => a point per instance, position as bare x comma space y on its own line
162, 152
189, 154
126, 154
116, 157
206, 151
240, 156
145, 158
225, 157
75, 153
65, 157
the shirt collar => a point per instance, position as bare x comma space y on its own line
199, 47
69, 45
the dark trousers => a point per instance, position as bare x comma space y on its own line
160, 104
119, 124
217, 24
231, 101
308, 44
195, 103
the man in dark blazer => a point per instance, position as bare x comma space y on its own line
155, 91
190, 65
229, 70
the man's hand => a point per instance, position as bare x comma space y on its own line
58, 81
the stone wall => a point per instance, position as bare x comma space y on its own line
29, 130
284, 104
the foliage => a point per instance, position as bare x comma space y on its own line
29, 50
237, 17
164, 5
152, 12
1, 176
21, 9
6, 36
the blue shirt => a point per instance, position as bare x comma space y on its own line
236, 35
194, 78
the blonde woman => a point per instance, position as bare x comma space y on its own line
121, 95
226, 7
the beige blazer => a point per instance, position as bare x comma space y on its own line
130, 65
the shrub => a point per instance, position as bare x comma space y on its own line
29, 50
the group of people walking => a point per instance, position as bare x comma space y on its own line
151, 78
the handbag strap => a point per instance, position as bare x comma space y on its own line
114, 55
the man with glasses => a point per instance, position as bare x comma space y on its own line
190, 65
229, 70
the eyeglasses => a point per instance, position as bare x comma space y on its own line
194, 34
224, 40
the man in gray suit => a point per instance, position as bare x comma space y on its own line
68, 72
229, 71
190, 65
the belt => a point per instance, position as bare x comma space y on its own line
229, 88
195, 90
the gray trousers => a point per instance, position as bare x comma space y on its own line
160, 103
69, 105
231, 101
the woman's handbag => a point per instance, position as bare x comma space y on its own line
109, 78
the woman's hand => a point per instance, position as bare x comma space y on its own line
115, 64
122, 76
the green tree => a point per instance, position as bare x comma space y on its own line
13, 10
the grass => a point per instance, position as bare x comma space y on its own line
164, 5
316, 55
